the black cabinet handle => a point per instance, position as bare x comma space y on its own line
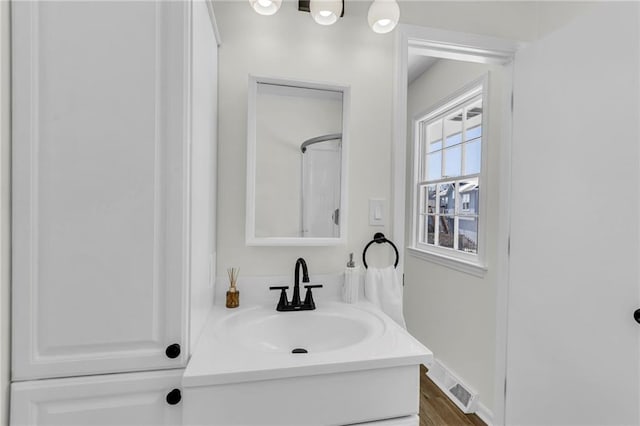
174, 397
636, 315
173, 351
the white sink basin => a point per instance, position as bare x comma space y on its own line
254, 343
360, 366
322, 330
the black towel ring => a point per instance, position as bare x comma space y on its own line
379, 238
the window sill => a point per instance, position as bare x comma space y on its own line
470, 268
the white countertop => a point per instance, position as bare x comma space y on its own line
220, 359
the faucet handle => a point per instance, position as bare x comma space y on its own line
308, 298
283, 302
313, 286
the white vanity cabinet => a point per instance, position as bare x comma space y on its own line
114, 399
113, 202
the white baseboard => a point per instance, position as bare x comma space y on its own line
484, 413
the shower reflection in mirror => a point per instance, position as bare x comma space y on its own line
321, 186
296, 163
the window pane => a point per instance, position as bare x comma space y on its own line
469, 196
445, 232
434, 136
473, 114
427, 225
453, 128
454, 139
431, 199
472, 157
429, 230
447, 198
473, 133
468, 234
452, 161
435, 146
427, 199
434, 165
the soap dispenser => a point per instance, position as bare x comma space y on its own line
351, 286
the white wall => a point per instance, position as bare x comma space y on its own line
520, 20
204, 134
451, 312
573, 352
5, 207
290, 45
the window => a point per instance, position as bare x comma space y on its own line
448, 148
466, 199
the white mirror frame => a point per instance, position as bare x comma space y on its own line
250, 227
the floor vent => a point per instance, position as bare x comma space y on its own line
461, 395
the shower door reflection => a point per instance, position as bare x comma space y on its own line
321, 163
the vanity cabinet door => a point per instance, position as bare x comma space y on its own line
149, 398
100, 187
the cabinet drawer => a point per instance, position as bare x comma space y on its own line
113, 400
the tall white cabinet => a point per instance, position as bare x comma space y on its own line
114, 141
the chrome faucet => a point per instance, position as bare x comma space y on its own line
296, 305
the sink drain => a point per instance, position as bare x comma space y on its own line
299, 351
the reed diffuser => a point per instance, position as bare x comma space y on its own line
233, 295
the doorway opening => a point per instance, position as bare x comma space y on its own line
424, 55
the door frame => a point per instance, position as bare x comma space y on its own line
470, 48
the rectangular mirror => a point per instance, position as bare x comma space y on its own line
296, 163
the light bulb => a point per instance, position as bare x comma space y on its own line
383, 15
265, 7
325, 12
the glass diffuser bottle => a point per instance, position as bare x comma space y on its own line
233, 295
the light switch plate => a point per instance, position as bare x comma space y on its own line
376, 212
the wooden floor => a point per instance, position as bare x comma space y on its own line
438, 410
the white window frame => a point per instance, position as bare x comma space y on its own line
474, 264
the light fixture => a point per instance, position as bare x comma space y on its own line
265, 7
326, 12
383, 15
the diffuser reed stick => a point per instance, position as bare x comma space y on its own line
233, 277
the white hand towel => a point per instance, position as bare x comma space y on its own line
383, 288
